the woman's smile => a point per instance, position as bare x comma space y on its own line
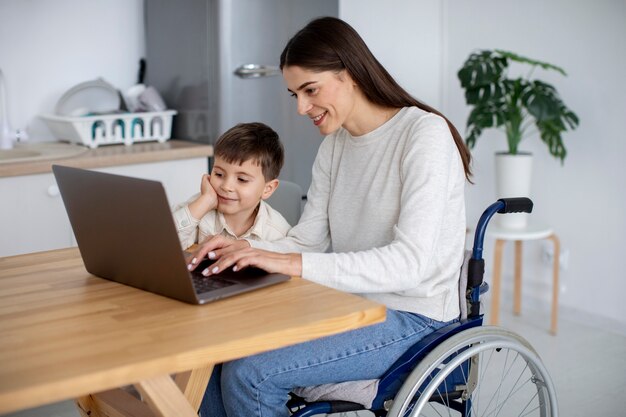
317, 120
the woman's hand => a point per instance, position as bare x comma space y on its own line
214, 247
238, 254
284, 263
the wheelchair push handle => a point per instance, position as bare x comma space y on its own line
516, 205
504, 206
476, 267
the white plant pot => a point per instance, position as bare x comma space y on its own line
513, 176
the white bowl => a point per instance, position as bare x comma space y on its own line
96, 96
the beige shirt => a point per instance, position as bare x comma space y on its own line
268, 225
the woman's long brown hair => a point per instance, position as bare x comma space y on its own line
330, 44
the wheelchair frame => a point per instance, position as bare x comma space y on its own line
444, 369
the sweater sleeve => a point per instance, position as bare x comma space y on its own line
419, 253
311, 234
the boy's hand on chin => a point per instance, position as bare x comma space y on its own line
208, 192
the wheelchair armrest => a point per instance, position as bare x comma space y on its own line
394, 377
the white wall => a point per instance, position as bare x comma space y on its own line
48, 46
583, 200
406, 37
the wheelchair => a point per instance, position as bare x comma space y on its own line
464, 369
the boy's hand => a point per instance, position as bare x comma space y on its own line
206, 189
207, 200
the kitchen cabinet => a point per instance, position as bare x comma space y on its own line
33, 218
32, 215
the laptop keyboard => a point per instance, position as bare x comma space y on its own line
204, 284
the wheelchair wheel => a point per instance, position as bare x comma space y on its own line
484, 371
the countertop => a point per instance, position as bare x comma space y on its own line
114, 155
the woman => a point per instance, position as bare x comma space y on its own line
387, 197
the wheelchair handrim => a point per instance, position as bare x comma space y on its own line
480, 342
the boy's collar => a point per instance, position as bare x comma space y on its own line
256, 229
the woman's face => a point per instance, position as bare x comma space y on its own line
327, 98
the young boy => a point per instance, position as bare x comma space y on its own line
247, 161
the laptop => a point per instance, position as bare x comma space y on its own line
126, 233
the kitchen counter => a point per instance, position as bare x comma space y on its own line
113, 155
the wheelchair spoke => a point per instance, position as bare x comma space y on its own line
504, 367
515, 381
527, 404
513, 389
494, 395
498, 404
530, 411
482, 371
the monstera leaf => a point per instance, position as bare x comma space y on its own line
513, 104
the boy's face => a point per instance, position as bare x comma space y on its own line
239, 188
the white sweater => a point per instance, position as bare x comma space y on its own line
390, 206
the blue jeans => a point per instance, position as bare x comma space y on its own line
258, 386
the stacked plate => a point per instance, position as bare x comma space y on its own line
89, 98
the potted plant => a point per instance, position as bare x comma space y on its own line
515, 105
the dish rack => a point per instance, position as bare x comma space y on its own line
109, 129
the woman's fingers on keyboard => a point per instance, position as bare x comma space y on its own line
224, 261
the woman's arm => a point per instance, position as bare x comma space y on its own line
311, 234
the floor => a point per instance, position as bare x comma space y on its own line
587, 364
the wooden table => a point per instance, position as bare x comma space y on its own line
65, 333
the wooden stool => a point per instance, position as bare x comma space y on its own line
530, 232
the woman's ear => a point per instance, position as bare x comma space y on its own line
269, 189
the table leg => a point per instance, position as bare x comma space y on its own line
164, 398
162, 395
497, 273
517, 283
555, 282
113, 403
193, 384
87, 406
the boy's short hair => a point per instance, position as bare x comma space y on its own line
252, 141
